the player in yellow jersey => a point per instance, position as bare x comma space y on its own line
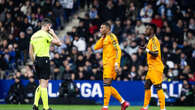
39, 54
111, 64
155, 68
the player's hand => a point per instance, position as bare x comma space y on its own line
116, 67
51, 31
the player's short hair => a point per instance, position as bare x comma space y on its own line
46, 21
107, 25
153, 26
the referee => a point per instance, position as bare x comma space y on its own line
39, 54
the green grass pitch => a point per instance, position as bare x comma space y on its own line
85, 107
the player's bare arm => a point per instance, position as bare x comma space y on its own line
55, 39
31, 52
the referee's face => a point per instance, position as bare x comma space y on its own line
48, 26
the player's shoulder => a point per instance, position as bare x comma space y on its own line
37, 32
34, 35
113, 36
155, 38
40, 33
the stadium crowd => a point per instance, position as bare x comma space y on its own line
18, 21
76, 59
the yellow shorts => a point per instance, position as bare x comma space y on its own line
109, 72
155, 76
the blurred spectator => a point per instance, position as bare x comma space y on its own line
30, 89
59, 13
68, 89
93, 13
68, 6
108, 11
186, 97
139, 27
16, 92
157, 20
120, 10
146, 13
179, 32
131, 11
23, 46
117, 28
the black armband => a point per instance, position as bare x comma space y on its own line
154, 54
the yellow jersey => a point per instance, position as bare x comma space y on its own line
41, 41
154, 63
111, 49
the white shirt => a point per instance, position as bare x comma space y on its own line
80, 44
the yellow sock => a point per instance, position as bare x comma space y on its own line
147, 98
116, 95
37, 96
44, 97
107, 94
161, 98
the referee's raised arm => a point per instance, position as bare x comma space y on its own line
55, 39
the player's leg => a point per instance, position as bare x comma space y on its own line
44, 83
147, 96
115, 94
44, 94
37, 96
161, 96
43, 64
38, 89
107, 92
157, 82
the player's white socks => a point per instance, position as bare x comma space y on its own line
146, 107
105, 106
122, 101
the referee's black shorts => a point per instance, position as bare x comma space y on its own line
42, 68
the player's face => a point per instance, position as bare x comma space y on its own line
148, 30
103, 29
48, 26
